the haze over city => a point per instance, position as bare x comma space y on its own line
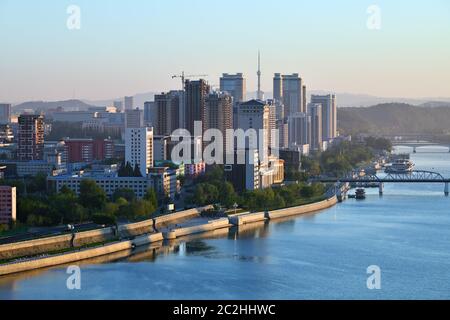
125, 48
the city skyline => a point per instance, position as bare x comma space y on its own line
119, 49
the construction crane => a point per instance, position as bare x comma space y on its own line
183, 77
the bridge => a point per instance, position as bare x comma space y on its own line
416, 141
416, 176
415, 145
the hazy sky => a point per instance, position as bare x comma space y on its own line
127, 47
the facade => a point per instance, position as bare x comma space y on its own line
89, 150
134, 118
5, 113
139, 148
8, 201
299, 129
194, 169
289, 91
128, 103
73, 116
168, 112
149, 113
246, 175
315, 112
329, 115
283, 133
6, 133
196, 94
219, 115
277, 88
34, 167
235, 85
31, 137
255, 114
292, 159
108, 183
161, 148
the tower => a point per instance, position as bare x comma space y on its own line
259, 94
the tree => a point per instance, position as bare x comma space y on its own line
150, 196
137, 171
227, 196
125, 193
91, 195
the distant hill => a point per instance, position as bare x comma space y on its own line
38, 106
394, 118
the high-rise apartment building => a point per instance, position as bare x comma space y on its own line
31, 137
150, 114
8, 198
219, 115
128, 103
5, 113
329, 115
139, 148
315, 111
255, 114
196, 93
235, 85
168, 112
299, 129
134, 118
290, 91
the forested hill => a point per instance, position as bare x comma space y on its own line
394, 118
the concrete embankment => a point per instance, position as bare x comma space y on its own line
246, 218
307, 208
205, 227
37, 263
39, 246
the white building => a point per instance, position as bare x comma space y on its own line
139, 148
255, 114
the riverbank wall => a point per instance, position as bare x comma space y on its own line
80, 255
307, 208
78, 239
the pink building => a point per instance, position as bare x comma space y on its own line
7, 204
194, 169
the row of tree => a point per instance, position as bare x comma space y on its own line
213, 189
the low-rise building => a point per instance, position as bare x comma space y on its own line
8, 202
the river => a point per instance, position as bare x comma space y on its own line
406, 232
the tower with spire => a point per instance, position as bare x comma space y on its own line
259, 93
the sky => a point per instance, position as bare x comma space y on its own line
134, 46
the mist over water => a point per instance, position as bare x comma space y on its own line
322, 256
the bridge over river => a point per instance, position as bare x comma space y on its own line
416, 176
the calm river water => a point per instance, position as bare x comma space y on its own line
406, 233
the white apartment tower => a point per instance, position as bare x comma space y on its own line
255, 114
139, 148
